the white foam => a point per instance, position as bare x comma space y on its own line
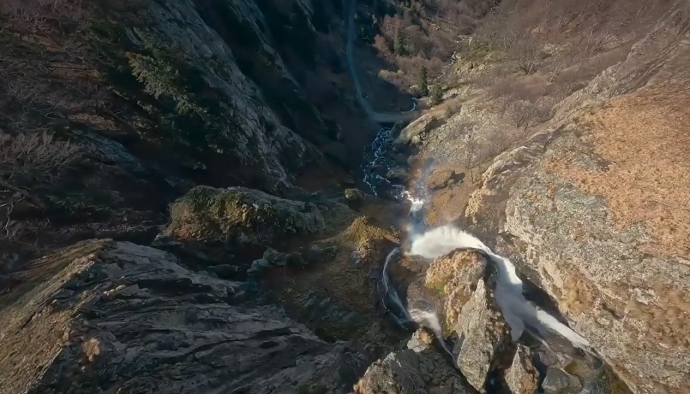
517, 311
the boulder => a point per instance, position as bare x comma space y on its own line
417, 130
217, 220
410, 371
397, 174
483, 337
454, 278
522, 377
353, 195
558, 381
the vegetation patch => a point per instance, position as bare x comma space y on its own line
182, 108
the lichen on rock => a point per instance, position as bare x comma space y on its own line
241, 216
483, 337
455, 278
522, 377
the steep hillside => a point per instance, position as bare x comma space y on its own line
567, 153
180, 213
110, 110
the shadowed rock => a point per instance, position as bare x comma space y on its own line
103, 316
419, 370
522, 377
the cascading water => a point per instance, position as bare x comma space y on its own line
519, 313
376, 163
402, 316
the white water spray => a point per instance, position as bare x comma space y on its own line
517, 311
430, 320
390, 293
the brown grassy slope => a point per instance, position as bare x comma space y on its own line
576, 44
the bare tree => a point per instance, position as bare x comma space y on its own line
525, 53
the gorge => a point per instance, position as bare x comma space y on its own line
300, 196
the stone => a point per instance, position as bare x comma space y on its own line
522, 377
483, 336
454, 278
558, 381
353, 195
398, 174
408, 371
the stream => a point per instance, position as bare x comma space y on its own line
430, 243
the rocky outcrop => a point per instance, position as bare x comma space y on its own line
522, 376
235, 102
590, 209
105, 315
419, 369
455, 279
217, 221
457, 291
483, 336
609, 250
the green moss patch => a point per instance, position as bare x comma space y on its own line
240, 215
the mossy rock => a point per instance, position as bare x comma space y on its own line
353, 195
241, 216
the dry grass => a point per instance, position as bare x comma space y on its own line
648, 179
23, 362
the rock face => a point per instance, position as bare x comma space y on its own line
483, 337
419, 369
455, 279
105, 315
590, 209
618, 277
179, 94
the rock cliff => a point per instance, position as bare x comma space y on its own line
589, 205
179, 216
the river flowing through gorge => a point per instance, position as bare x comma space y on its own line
427, 244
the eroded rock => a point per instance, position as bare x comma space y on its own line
105, 314
483, 336
454, 278
522, 376
408, 371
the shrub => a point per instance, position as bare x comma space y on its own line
436, 94
422, 82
